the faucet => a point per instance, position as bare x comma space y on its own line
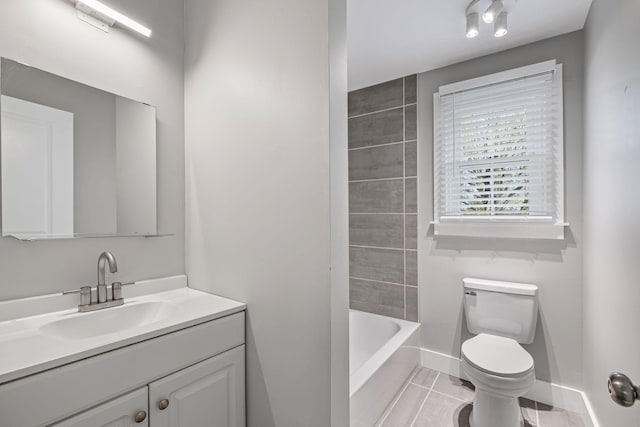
104, 299
104, 258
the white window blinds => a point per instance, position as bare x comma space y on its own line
498, 152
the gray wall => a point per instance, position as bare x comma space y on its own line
612, 204
555, 266
136, 167
48, 35
257, 91
382, 199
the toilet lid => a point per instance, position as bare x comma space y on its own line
497, 355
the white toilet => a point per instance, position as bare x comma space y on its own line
502, 315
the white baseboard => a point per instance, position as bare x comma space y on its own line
551, 394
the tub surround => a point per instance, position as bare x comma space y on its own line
382, 199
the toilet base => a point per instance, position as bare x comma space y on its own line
490, 410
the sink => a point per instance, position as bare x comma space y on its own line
80, 326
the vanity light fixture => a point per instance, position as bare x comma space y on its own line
492, 11
108, 16
500, 27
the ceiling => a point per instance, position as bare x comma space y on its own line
392, 38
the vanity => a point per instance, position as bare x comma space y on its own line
169, 356
79, 162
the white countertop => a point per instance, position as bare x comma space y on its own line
25, 349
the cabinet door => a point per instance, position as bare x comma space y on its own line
120, 412
208, 394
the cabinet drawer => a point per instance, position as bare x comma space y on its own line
53, 395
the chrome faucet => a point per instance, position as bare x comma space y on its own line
105, 297
103, 259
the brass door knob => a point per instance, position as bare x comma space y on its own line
163, 404
140, 416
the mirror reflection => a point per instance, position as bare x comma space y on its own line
76, 161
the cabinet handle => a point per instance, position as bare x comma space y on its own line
163, 404
140, 416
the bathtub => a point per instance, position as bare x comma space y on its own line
383, 353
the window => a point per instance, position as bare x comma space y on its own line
498, 155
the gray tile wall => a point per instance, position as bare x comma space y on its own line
382, 199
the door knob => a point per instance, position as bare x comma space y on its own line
140, 416
622, 390
163, 404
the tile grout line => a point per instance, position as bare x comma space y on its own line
355, 116
382, 179
380, 145
385, 415
404, 205
375, 247
376, 281
451, 397
376, 213
415, 418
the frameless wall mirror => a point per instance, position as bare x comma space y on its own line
76, 161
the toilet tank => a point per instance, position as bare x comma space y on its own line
501, 308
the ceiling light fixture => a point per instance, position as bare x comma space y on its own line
500, 27
108, 16
492, 11
473, 25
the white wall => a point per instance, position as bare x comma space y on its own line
612, 204
47, 35
257, 97
556, 266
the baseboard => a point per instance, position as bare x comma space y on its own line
551, 394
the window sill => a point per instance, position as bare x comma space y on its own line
507, 230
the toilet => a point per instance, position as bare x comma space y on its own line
501, 315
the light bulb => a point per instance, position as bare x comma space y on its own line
500, 27
492, 11
473, 25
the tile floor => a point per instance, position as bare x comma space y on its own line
433, 399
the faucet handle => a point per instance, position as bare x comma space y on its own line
116, 291
85, 295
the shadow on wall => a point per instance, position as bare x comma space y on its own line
535, 250
257, 392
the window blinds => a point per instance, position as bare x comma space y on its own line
498, 149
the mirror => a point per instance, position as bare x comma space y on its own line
76, 161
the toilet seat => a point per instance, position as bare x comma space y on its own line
497, 356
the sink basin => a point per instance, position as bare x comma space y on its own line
109, 320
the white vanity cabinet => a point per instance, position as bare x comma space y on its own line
209, 393
199, 371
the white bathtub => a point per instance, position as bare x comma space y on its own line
383, 353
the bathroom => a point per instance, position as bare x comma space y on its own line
273, 210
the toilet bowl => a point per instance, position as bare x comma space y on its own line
503, 315
501, 371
